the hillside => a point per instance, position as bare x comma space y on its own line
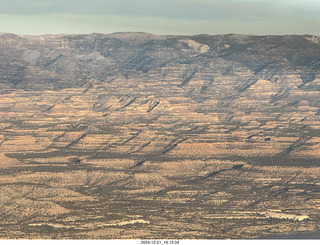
134, 135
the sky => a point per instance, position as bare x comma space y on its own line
181, 17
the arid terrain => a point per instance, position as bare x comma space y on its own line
138, 136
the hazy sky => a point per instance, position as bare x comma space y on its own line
161, 16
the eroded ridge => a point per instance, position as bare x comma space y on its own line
136, 136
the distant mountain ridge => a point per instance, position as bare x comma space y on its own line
60, 61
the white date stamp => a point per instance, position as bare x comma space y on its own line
160, 242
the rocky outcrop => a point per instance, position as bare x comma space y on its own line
99, 131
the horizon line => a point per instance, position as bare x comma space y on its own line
149, 33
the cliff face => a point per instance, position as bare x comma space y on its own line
114, 136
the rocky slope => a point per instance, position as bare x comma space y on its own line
133, 135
